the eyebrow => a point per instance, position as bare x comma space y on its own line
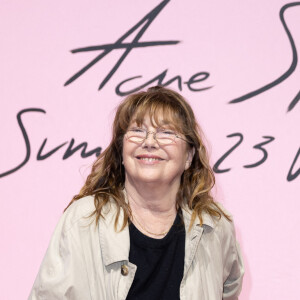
162, 125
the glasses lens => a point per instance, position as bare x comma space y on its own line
136, 135
165, 137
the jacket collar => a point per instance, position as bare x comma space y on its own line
207, 219
115, 245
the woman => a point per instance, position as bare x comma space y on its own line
144, 225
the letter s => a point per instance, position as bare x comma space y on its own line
26, 139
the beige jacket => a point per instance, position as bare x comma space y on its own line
84, 261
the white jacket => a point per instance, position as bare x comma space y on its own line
83, 261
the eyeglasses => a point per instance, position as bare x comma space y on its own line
162, 136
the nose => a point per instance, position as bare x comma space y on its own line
150, 140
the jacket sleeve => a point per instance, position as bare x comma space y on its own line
234, 268
62, 274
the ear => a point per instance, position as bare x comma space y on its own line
191, 153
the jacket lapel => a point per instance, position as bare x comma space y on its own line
114, 244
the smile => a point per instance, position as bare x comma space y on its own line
149, 158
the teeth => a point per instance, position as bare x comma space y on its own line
149, 158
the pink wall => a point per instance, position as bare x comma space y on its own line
240, 46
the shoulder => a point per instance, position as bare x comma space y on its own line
78, 212
82, 213
225, 229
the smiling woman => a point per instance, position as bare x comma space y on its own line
144, 225
158, 155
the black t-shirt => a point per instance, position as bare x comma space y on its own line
159, 263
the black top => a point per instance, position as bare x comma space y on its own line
159, 263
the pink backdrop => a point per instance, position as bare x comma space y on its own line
232, 47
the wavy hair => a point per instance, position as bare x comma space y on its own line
107, 178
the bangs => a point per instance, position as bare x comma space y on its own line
165, 108
161, 113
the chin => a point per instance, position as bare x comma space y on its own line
150, 179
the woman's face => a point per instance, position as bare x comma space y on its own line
150, 162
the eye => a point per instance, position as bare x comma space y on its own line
167, 132
137, 129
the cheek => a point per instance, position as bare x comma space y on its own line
128, 150
184, 158
125, 147
182, 153
125, 156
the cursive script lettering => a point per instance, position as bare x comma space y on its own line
147, 20
236, 145
158, 80
286, 74
69, 152
223, 157
259, 147
292, 175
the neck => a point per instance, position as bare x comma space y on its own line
153, 210
159, 200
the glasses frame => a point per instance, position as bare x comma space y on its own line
154, 136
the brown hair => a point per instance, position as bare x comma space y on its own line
107, 178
